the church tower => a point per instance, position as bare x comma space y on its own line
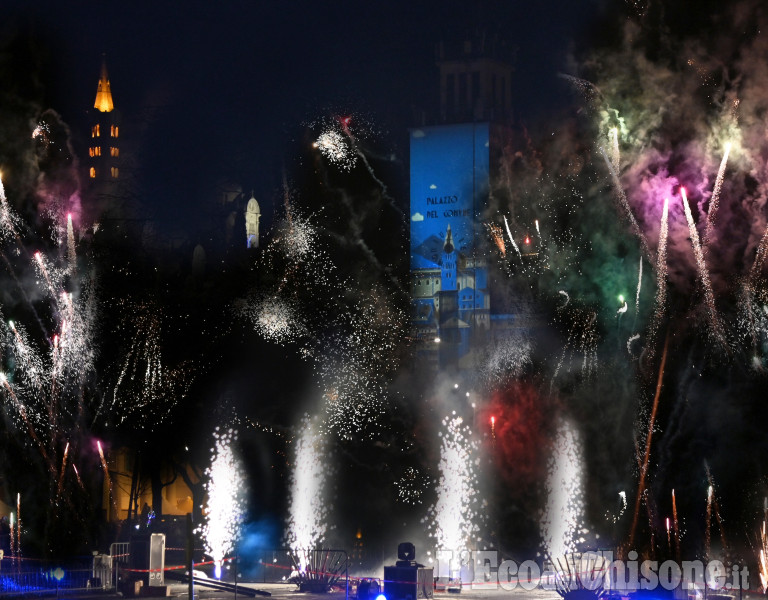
448, 267
252, 218
104, 149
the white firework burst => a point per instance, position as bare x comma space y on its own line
335, 147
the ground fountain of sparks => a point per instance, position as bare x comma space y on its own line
226, 500
455, 517
561, 523
308, 513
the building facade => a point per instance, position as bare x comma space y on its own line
451, 165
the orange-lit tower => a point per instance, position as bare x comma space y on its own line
104, 149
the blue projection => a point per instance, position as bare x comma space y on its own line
449, 190
449, 185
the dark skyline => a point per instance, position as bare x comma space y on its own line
224, 93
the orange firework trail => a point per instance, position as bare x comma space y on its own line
77, 474
18, 524
107, 478
644, 467
498, 238
763, 560
63, 466
676, 527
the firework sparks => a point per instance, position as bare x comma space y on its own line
226, 500
561, 523
714, 200
277, 320
336, 149
454, 515
763, 560
709, 297
410, 489
308, 513
613, 139
511, 239
675, 526
625, 203
498, 238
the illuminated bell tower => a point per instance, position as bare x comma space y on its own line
252, 217
104, 149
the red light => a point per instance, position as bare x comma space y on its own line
527, 240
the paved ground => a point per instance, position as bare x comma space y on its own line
282, 591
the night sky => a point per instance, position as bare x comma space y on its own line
224, 91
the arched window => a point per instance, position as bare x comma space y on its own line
92, 172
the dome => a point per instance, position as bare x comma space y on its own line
253, 206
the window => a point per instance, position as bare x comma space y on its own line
90, 151
113, 131
114, 172
114, 151
92, 172
95, 131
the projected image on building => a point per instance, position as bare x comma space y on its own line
449, 188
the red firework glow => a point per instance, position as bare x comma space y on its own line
517, 422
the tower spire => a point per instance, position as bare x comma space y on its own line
103, 92
448, 245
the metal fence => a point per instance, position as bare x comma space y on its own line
36, 578
28, 580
